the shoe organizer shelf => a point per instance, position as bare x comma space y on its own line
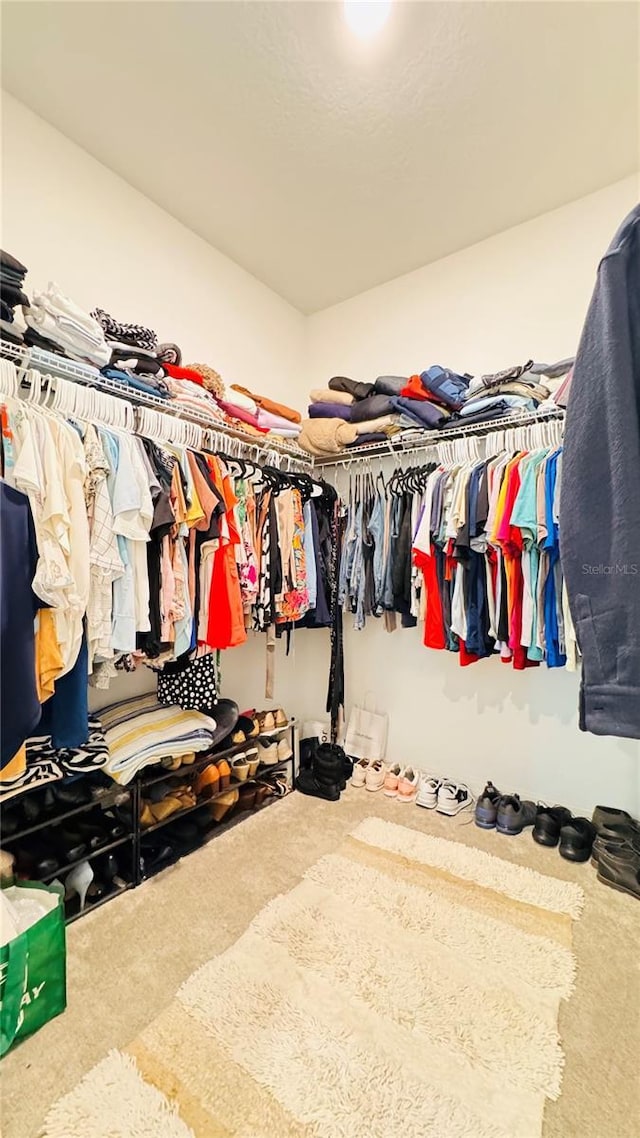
47, 831
39, 825
161, 843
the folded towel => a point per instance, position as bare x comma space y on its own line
275, 423
326, 395
325, 436
239, 399
330, 411
242, 415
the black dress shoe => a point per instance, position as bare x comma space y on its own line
10, 822
37, 861
32, 809
549, 821
576, 839
71, 794
70, 844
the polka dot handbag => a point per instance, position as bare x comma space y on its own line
190, 682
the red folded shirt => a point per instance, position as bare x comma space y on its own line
414, 390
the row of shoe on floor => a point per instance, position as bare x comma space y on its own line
611, 839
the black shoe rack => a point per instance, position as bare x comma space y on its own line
38, 825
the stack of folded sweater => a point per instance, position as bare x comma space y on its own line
261, 413
134, 362
58, 324
12, 274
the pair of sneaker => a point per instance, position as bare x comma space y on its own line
369, 773
401, 783
443, 795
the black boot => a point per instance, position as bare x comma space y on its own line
332, 761
307, 783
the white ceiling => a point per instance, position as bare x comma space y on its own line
323, 164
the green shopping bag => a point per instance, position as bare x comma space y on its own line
33, 970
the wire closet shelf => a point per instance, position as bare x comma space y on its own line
153, 416
420, 442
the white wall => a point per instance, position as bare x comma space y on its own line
522, 293
70, 219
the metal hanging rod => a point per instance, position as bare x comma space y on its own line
418, 442
48, 363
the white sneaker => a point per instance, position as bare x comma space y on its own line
428, 791
359, 772
453, 797
374, 776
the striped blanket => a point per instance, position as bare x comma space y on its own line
142, 731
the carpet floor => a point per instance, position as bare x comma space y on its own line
127, 962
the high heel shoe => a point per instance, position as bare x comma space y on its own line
78, 881
224, 803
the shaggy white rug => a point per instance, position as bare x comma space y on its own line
408, 987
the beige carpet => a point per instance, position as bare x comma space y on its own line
127, 961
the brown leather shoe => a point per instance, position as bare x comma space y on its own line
620, 869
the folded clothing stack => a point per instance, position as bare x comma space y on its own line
142, 731
523, 387
262, 413
12, 274
57, 323
134, 361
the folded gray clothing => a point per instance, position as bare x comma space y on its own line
374, 407
6, 312
7, 261
420, 411
528, 372
13, 295
11, 277
368, 439
331, 411
390, 384
343, 383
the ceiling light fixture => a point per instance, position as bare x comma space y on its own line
366, 17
